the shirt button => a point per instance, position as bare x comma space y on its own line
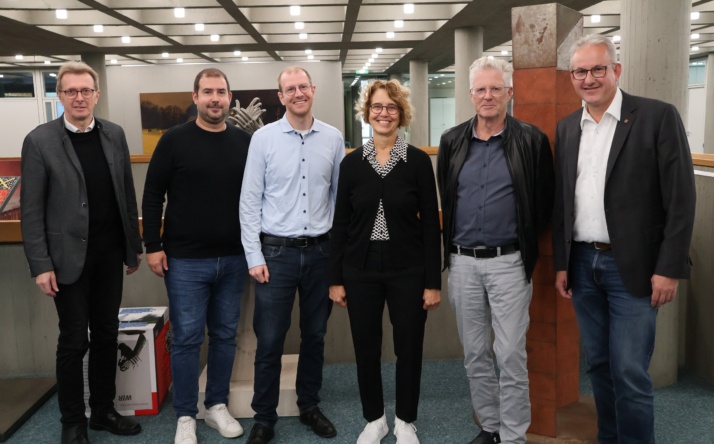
303, 177
84, 205
304, 228
303, 194
304, 211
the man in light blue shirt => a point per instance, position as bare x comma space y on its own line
286, 208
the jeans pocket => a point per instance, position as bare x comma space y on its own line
324, 248
270, 251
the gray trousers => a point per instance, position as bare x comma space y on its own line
494, 294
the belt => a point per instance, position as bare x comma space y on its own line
297, 242
484, 252
599, 245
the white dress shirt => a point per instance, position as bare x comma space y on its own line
595, 142
74, 129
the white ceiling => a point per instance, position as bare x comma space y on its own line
349, 31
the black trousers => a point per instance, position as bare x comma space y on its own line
402, 290
91, 302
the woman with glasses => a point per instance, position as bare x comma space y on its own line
385, 249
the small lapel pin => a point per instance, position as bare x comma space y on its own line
627, 120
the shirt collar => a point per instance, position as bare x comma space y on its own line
73, 129
473, 128
287, 128
399, 150
615, 109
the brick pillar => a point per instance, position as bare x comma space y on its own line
542, 95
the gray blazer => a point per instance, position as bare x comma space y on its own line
55, 216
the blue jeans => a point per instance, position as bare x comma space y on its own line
203, 292
618, 333
291, 269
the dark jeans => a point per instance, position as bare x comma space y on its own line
203, 292
91, 302
618, 332
402, 290
291, 269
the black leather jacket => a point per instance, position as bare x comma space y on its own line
530, 162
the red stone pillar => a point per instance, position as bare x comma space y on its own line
543, 94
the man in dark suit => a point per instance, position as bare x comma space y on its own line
623, 218
79, 226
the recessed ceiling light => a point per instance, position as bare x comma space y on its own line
126, 39
215, 37
595, 18
18, 57
371, 60
694, 15
179, 12
308, 51
409, 8
61, 14
310, 56
113, 61
616, 38
367, 64
695, 48
695, 36
303, 36
179, 60
504, 52
199, 27
390, 34
236, 53
165, 55
52, 74
375, 55
47, 62
299, 25
244, 58
489, 57
379, 49
399, 23
98, 28
295, 10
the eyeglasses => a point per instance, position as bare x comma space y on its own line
496, 91
377, 108
72, 93
596, 71
304, 88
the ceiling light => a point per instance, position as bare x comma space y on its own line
52, 74
367, 64
695, 48
61, 14
695, 36
98, 28
215, 37
375, 55
179, 12
165, 55
371, 60
236, 53
399, 23
595, 18
126, 39
390, 34
179, 60
504, 52
694, 15
199, 27
18, 57
47, 62
616, 38
409, 8
2, 75
379, 50
310, 57
308, 51
299, 25
244, 58
303, 36
490, 57
295, 10
113, 61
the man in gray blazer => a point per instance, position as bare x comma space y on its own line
79, 226
622, 225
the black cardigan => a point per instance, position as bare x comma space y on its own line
408, 194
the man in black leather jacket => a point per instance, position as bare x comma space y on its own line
495, 176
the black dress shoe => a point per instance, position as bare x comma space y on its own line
75, 435
260, 434
487, 438
318, 423
115, 423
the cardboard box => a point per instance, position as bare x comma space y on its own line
143, 361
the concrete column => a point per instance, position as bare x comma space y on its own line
709, 107
419, 85
96, 61
654, 54
468, 46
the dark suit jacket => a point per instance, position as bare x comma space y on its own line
55, 216
649, 193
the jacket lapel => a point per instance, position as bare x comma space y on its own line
627, 118
573, 150
67, 145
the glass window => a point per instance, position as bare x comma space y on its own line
697, 71
16, 84
50, 81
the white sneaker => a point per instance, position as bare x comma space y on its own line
186, 431
374, 431
405, 432
219, 418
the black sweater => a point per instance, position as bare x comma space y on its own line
201, 173
408, 194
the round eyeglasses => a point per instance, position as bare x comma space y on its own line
377, 108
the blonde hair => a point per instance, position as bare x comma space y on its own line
293, 68
76, 68
395, 90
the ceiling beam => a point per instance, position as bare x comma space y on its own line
248, 27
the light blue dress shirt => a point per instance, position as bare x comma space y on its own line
290, 184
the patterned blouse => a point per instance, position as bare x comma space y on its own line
399, 151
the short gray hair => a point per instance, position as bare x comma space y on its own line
486, 63
594, 40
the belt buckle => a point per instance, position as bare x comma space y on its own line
598, 245
301, 242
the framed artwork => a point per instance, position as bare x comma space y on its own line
10, 189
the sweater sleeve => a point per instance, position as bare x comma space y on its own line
340, 223
429, 217
158, 178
